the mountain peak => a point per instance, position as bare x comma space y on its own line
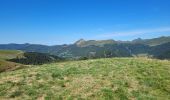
137, 40
79, 42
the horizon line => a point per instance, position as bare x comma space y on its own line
86, 40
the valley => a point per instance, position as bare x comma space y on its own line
86, 70
85, 50
155, 48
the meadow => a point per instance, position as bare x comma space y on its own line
95, 79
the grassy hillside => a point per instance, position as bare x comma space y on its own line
9, 54
116, 78
8, 66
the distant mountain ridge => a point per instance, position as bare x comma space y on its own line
83, 43
99, 48
153, 42
150, 42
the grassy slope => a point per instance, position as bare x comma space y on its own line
8, 66
9, 54
117, 78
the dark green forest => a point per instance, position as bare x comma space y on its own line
35, 58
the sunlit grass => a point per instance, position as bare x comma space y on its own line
115, 78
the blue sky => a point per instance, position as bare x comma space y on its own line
65, 21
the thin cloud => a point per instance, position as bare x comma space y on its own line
134, 32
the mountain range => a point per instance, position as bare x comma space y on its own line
156, 47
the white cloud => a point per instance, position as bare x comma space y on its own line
134, 32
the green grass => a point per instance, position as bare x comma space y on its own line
100, 79
9, 54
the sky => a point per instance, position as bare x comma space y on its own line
54, 22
